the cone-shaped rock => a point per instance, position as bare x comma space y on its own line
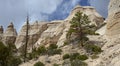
10, 34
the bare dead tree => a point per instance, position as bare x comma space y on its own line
27, 28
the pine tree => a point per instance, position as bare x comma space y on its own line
80, 27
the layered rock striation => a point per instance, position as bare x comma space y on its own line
113, 19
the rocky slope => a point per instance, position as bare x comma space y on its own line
55, 33
46, 33
111, 49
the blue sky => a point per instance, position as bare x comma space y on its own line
43, 10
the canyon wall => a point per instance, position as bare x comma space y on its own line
113, 19
45, 33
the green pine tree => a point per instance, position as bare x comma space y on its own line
80, 26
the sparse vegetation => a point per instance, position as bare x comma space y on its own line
7, 56
66, 43
52, 50
82, 57
94, 56
39, 64
66, 56
41, 50
52, 46
75, 56
93, 49
78, 63
55, 64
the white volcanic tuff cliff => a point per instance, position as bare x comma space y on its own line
52, 34
34, 33
9, 36
111, 49
113, 19
55, 31
92, 14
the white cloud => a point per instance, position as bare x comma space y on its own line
16, 10
43, 6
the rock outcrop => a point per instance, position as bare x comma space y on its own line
54, 32
111, 49
46, 33
92, 14
34, 32
113, 19
9, 36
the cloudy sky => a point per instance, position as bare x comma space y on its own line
43, 10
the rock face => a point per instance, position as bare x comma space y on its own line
34, 32
45, 33
92, 14
9, 36
54, 32
111, 51
113, 20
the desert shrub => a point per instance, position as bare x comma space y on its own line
55, 64
94, 56
78, 63
54, 51
52, 46
82, 57
39, 64
57, 51
74, 56
35, 53
41, 50
66, 43
14, 61
66, 62
91, 48
66, 56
